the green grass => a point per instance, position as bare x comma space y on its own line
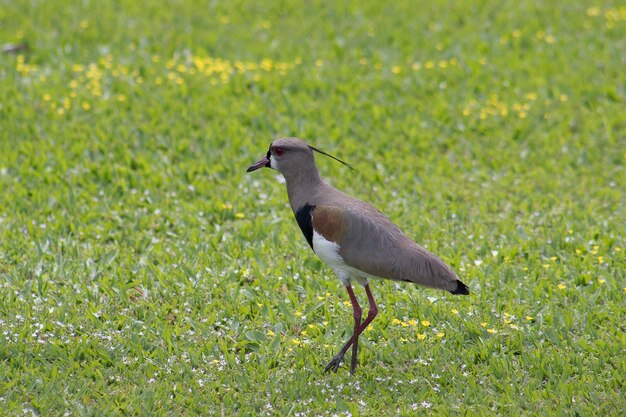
143, 272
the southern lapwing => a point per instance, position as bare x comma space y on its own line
356, 240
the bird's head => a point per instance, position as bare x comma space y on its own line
290, 156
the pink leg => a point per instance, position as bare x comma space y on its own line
358, 329
373, 311
356, 310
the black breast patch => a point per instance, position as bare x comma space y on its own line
304, 216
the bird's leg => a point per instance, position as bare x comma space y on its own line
356, 309
373, 312
354, 340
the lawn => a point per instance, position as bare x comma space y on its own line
143, 272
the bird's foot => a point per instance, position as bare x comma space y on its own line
334, 363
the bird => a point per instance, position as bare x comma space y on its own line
356, 240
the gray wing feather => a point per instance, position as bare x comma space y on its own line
378, 247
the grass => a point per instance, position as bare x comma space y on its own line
143, 272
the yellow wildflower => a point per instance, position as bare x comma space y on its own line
593, 11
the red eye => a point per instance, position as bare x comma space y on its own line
279, 151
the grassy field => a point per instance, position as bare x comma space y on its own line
143, 272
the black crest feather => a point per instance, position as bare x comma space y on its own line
333, 157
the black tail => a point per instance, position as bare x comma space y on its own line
461, 289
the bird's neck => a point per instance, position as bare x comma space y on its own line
301, 188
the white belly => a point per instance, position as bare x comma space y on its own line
329, 253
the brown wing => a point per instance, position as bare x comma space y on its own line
370, 242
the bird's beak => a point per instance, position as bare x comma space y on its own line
261, 163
